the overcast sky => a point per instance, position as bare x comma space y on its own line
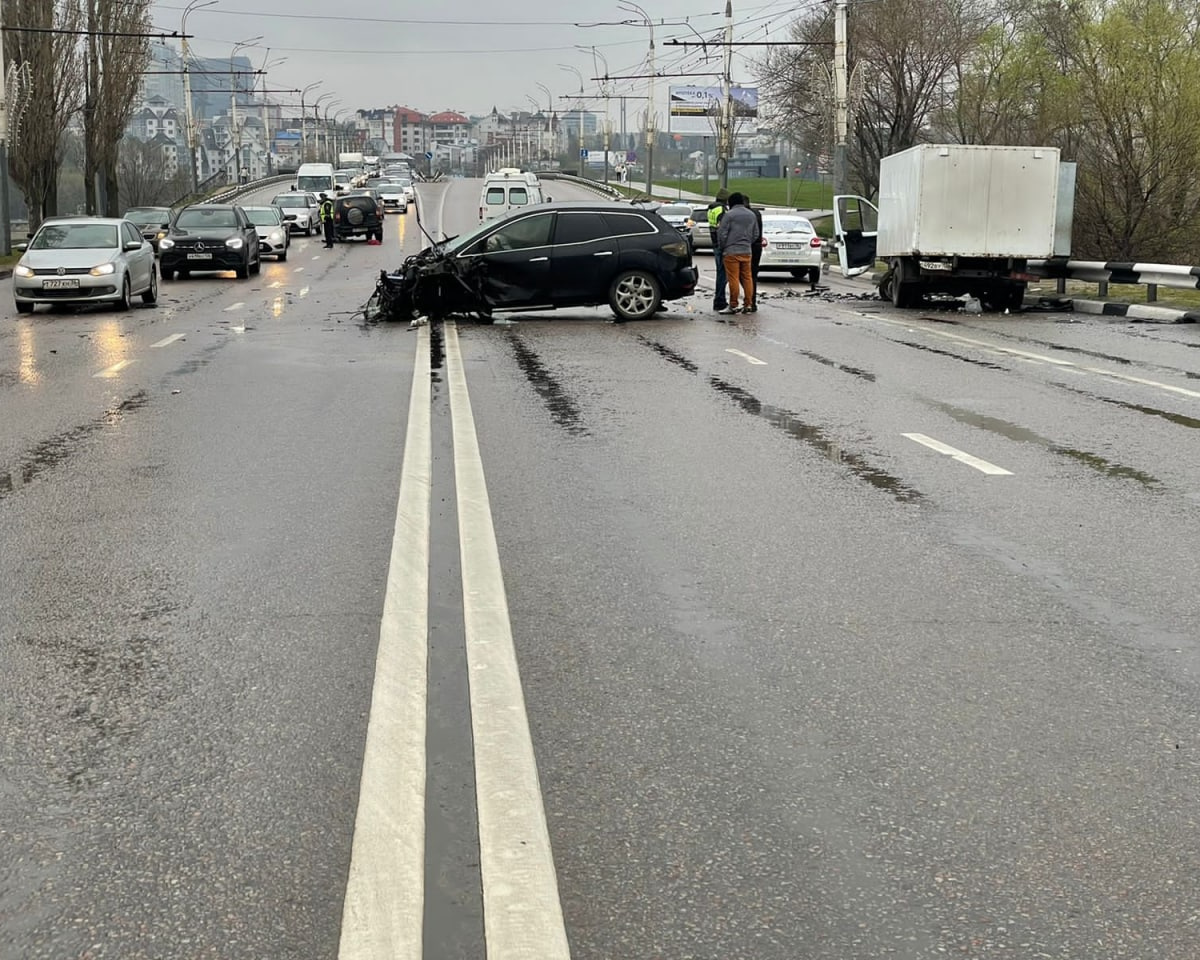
471, 55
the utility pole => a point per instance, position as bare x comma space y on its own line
841, 109
650, 131
189, 117
727, 107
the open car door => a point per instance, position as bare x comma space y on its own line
855, 228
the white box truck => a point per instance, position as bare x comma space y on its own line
959, 219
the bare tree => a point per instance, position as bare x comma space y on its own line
147, 177
117, 50
54, 72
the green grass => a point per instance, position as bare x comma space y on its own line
10, 260
770, 192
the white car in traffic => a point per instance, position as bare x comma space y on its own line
790, 243
301, 210
393, 196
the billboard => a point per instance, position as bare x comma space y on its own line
697, 110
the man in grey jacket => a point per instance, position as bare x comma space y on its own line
736, 237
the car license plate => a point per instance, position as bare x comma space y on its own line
199, 256
60, 284
787, 246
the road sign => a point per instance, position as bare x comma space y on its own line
428, 154
583, 154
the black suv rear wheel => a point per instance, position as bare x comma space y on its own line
634, 295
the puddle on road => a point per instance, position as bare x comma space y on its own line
563, 409
51, 452
1024, 435
796, 428
951, 355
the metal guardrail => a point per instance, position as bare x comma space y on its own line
1104, 272
234, 192
584, 182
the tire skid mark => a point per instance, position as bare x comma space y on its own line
791, 424
55, 450
1021, 434
563, 408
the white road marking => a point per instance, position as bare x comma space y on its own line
746, 357
300, 269
955, 454
166, 340
234, 306
522, 913
113, 370
382, 914
304, 292
317, 257
277, 283
1064, 364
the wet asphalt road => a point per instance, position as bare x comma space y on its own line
799, 684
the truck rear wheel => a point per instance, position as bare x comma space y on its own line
905, 291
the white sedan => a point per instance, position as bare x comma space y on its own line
300, 210
85, 260
790, 243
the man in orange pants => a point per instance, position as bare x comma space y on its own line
736, 237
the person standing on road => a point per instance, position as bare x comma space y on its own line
716, 210
756, 252
326, 211
737, 234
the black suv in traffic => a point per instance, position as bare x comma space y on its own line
358, 213
547, 256
209, 236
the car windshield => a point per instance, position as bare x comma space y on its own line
75, 236
148, 213
457, 243
199, 217
290, 200
262, 216
786, 225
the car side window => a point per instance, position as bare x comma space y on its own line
495, 196
519, 235
628, 224
130, 235
518, 196
579, 228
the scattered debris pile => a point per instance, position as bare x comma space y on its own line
430, 286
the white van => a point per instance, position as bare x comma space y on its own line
505, 190
315, 178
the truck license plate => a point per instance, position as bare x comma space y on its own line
60, 284
199, 256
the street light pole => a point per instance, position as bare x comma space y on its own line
266, 116
329, 106
304, 122
727, 106
189, 119
317, 119
650, 116
235, 90
582, 160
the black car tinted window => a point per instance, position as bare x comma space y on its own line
518, 235
624, 224
580, 228
219, 217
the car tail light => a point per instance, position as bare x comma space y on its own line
677, 249
765, 243
814, 242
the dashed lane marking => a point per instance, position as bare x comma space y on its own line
234, 306
746, 357
113, 370
168, 340
955, 454
382, 914
303, 292
301, 269
522, 913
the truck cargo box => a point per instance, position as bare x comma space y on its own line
956, 200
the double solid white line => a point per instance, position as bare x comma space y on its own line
382, 915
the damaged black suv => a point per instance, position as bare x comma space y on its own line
541, 258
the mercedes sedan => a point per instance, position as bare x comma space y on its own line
84, 260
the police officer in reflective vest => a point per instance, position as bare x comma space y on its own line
327, 219
716, 210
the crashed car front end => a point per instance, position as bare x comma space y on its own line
430, 285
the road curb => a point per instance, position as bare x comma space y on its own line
1136, 311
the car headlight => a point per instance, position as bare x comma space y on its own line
275, 236
102, 270
20, 270
161, 234
165, 244
235, 243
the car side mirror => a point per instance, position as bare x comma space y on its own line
21, 247
134, 244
